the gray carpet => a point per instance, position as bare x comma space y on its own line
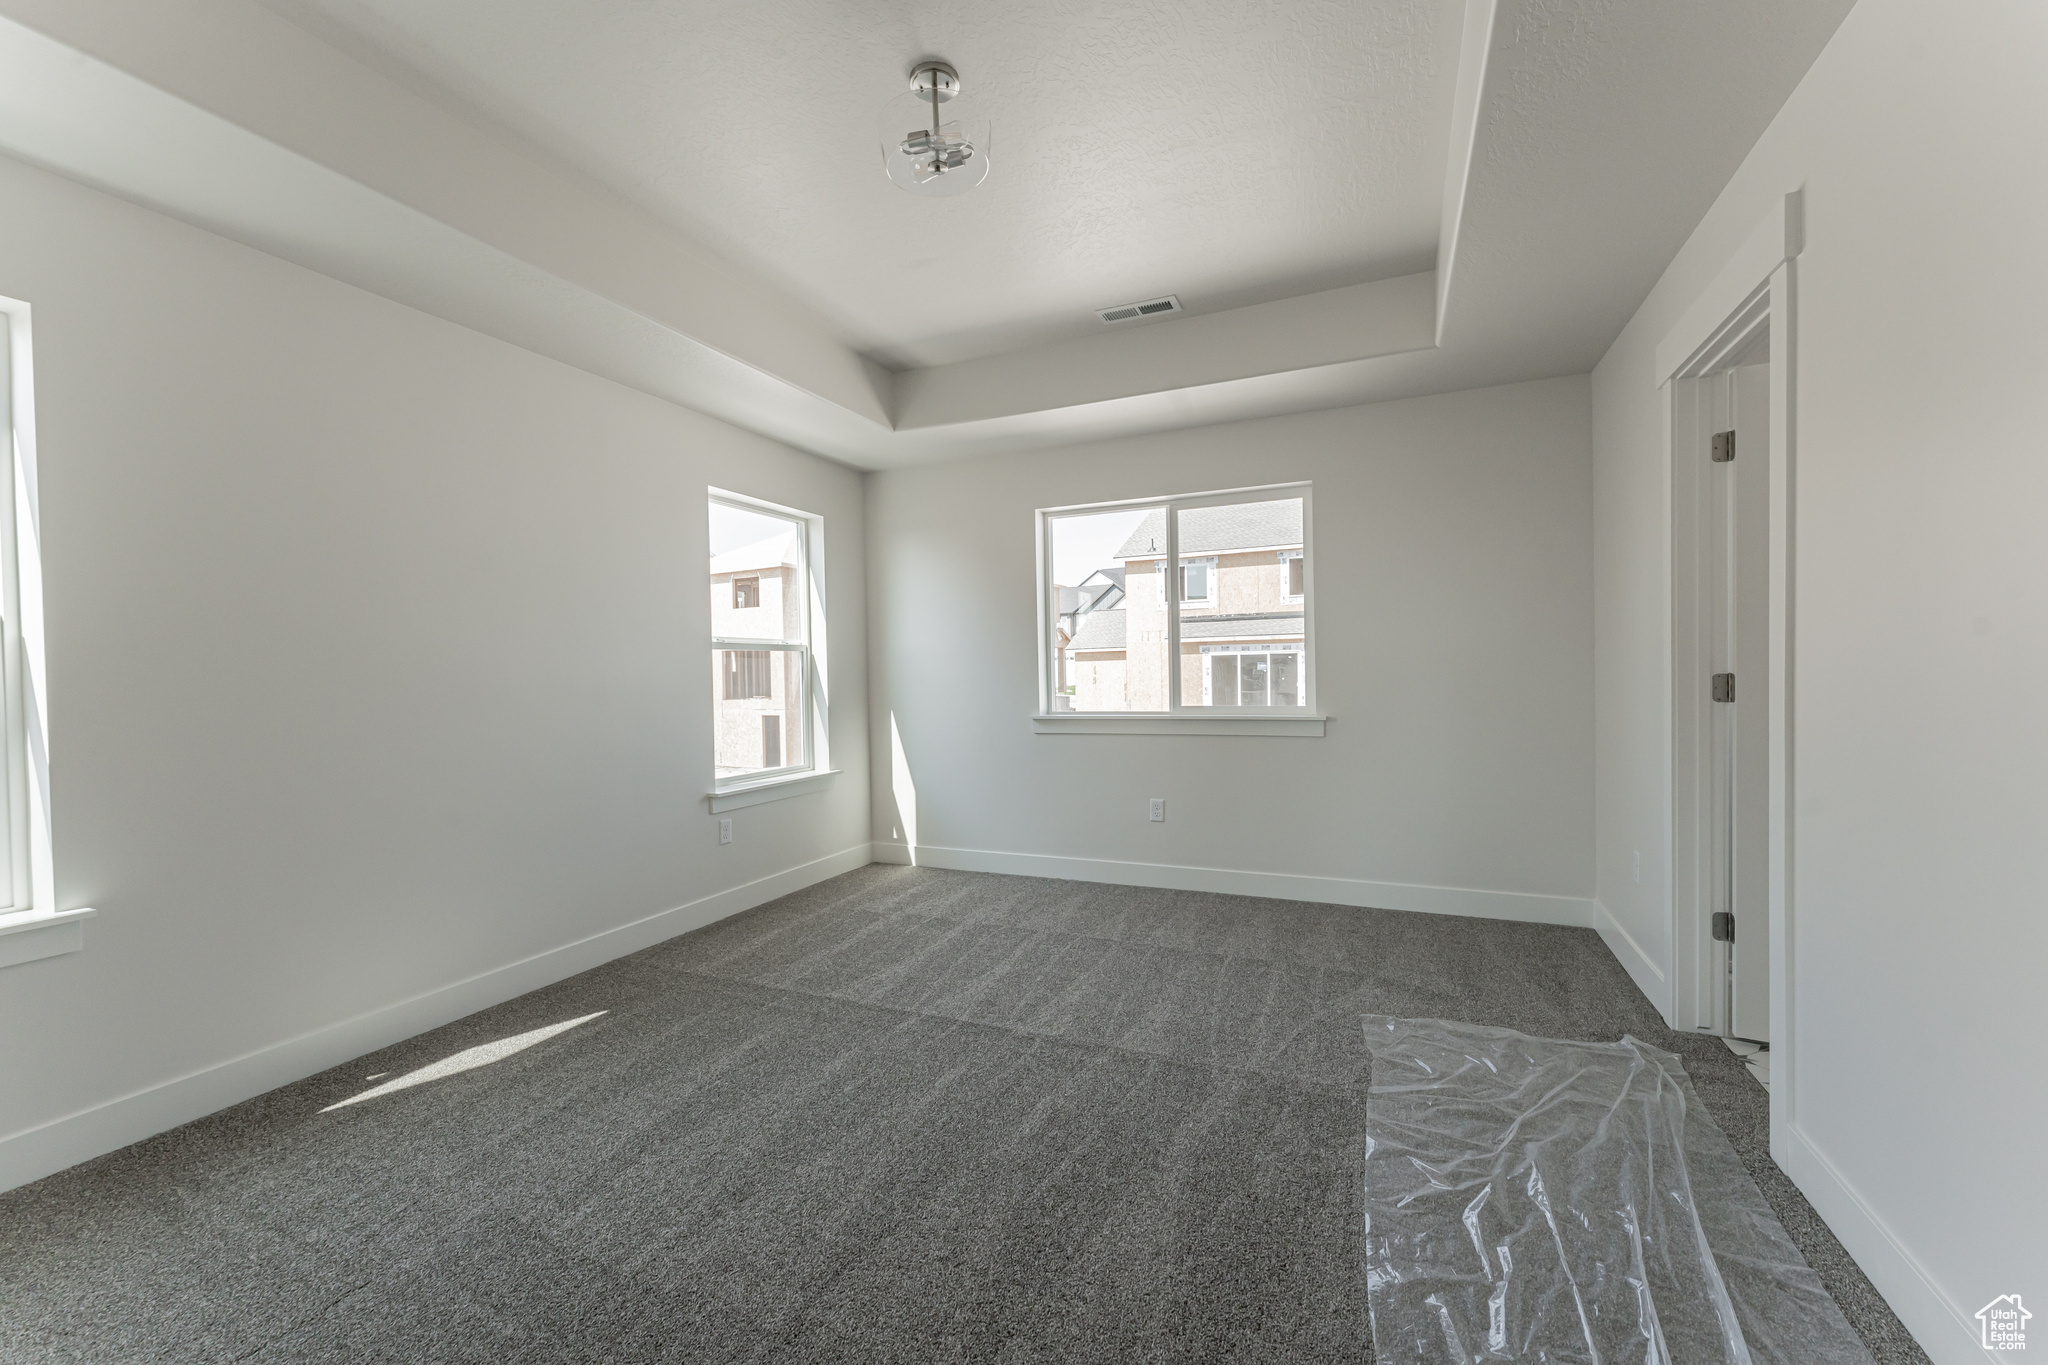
904, 1115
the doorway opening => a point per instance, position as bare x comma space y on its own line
1727, 365
1722, 683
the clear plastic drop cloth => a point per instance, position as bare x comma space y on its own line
1530, 1199
1786, 1314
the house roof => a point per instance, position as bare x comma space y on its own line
1241, 627
1097, 592
773, 553
1100, 630
1208, 530
1105, 629
1100, 594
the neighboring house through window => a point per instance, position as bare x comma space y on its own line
763, 722
1102, 590
1237, 637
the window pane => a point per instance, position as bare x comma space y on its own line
755, 558
1223, 679
758, 710
1251, 672
1109, 613
1287, 690
760, 591
1247, 605
746, 674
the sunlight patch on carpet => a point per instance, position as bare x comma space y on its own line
469, 1059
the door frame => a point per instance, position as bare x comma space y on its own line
1751, 296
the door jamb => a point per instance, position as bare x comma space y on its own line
1753, 292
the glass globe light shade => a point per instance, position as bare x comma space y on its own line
935, 162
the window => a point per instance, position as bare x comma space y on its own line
1197, 582
762, 619
1252, 675
746, 674
18, 648
1235, 639
32, 924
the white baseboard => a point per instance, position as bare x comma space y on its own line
1947, 1332
50, 1147
1430, 900
1648, 976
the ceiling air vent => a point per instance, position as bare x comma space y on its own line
1128, 312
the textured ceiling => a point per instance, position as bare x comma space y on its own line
1224, 151
1590, 135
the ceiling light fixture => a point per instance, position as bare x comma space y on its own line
935, 157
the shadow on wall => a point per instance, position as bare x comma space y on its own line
904, 789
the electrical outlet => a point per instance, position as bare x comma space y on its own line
1159, 808
1639, 867
725, 830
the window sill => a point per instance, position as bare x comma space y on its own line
732, 798
29, 936
1078, 723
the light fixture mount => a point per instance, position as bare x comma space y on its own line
927, 150
929, 78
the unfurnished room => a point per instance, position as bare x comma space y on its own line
1130, 680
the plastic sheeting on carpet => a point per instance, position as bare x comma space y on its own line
1786, 1314
1528, 1199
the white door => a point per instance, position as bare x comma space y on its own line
1738, 565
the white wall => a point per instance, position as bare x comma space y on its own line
1454, 639
1920, 651
376, 663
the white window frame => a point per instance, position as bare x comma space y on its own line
1286, 596
1209, 562
1179, 717
31, 925
815, 771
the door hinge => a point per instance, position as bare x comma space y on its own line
1724, 447
1724, 926
1724, 687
